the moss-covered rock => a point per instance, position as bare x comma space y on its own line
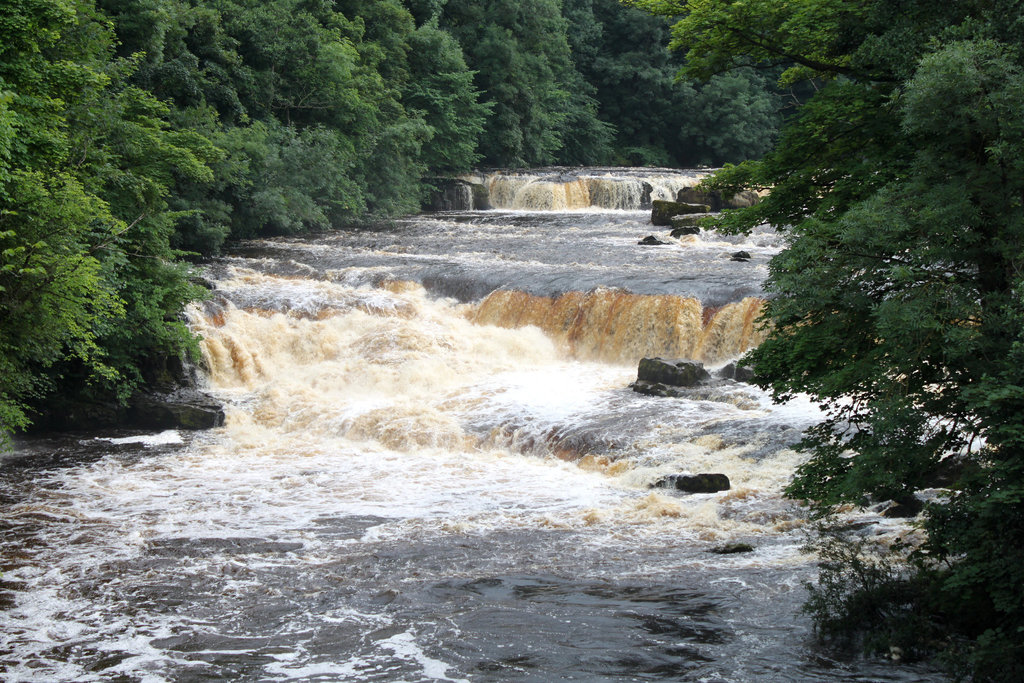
662, 211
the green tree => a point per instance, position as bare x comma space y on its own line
88, 283
897, 304
659, 119
520, 51
440, 89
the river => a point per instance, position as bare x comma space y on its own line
433, 468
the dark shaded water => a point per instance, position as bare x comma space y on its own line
403, 493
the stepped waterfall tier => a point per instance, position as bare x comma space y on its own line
434, 468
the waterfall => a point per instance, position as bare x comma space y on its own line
562, 189
620, 327
434, 467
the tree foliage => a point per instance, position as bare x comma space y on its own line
897, 303
84, 229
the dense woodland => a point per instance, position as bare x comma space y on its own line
136, 135
899, 302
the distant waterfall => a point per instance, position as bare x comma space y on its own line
605, 188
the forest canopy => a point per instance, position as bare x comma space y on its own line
897, 303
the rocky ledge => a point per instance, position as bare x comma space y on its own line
169, 399
182, 409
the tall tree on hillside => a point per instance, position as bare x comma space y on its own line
898, 302
542, 111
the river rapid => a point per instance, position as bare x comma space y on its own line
433, 468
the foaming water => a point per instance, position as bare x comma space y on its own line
416, 483
605, 188
619, 326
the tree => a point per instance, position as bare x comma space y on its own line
521, 54
659, 118
897, 304
88, 281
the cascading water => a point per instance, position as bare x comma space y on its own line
607, 188
434, 469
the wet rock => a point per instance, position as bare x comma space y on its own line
694, 483
692, 195
182, 409
735, 372
742, 256
481, 197
662, 211
903, 509
645, 196
689, 220
450, 194
733, 548
685, 230
655, 389
717, 200
677, 372
651, 241
742, 200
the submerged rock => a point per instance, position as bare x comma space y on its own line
694, 483
742, 256
662, 211
733, 548
685, 230
651, 241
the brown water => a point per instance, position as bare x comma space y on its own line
434, 469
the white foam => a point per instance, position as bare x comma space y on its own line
164, 438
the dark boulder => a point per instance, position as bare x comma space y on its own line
662, 211
655, 389
645, 196
677, 373
694, 483
651, 241
733, 548
904, 508
685, 230
742, 256
692, 195
688, 220
735, 372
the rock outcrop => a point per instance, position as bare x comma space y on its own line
181, 409
170, 398
716, 200
677, 372
663, 211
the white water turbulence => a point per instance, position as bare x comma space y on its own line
605, 188
434, 469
